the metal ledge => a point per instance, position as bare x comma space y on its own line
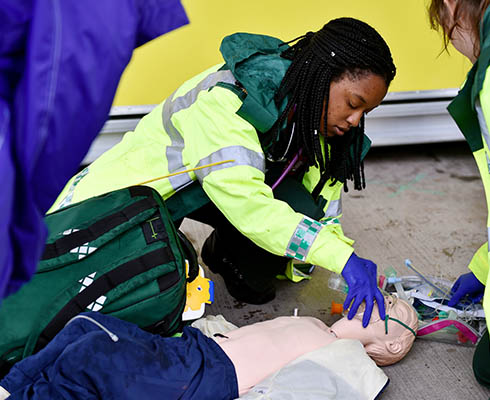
402, 118
411, 123
420, 95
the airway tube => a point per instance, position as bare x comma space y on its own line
288, 168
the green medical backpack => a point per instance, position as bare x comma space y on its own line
119, 254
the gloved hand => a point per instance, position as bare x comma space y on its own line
466, 284
360, 276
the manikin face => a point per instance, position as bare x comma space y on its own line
462, 37
374, 336
350, 98
352, 329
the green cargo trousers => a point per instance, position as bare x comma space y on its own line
481, 361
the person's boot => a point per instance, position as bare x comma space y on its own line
238, 286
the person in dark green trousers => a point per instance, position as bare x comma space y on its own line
466, 24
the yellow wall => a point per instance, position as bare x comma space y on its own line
158, 67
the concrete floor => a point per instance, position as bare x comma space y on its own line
425, 203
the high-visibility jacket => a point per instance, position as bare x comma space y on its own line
209, 119
471, 111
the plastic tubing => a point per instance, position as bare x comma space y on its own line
288, 168
400, 291
409, 264
337, 282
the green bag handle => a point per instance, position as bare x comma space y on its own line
190, 254
97, 229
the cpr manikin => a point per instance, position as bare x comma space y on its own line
237, 361
257, 350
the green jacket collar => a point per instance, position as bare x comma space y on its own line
462, 108
256, 62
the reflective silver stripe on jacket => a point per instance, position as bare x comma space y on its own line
484, 129
334, 208
482, 122
303, 237
171, 106
241, 156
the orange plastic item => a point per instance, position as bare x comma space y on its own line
336, 308
461, 337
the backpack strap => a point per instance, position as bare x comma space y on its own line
190, 254
104, 284
162, 327
97, 229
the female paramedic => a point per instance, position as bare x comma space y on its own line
466, 24
245, 142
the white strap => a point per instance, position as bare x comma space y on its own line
3, 393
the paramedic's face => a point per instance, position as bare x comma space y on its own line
352, 96
461, 40
462, 37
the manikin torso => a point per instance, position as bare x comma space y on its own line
259, 349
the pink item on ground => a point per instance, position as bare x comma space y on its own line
443, 323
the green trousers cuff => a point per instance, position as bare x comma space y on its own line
481, 361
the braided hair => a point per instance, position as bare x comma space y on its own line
342, 46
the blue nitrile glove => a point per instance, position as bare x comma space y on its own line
467, 284
360, 276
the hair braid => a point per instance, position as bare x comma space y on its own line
343, 45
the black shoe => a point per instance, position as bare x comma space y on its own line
235, 282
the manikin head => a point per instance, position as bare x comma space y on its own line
460, 23
384, 346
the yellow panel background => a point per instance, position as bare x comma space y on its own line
159, 66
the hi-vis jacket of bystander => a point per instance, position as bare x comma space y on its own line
471, 111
